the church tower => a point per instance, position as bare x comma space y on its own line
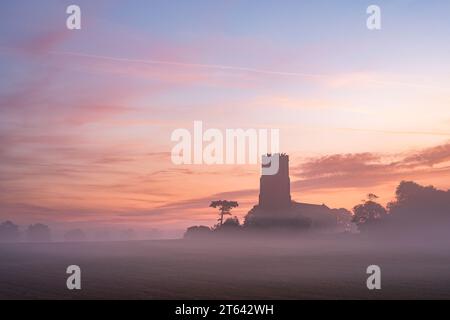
275, 190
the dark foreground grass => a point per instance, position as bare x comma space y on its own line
177, 269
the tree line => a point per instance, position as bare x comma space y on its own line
416, 210
10, 232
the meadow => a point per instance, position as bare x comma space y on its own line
238, 269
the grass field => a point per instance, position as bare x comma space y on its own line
177, 269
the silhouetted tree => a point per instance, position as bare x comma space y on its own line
197, 232
368, 214
38, 233
232, 222
9, 232
372, 197
420, 209
344, 219
75, 235
225, 207
229, 225
419, 200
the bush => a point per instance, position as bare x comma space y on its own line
38, 233
9, 232
196, 232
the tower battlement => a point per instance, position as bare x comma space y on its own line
275, 190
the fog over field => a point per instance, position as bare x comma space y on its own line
246, 268
282, 250
226, 150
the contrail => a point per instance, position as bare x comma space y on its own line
241, 69
189, 65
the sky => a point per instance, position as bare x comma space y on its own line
86, 115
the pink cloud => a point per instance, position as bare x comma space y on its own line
368, 169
